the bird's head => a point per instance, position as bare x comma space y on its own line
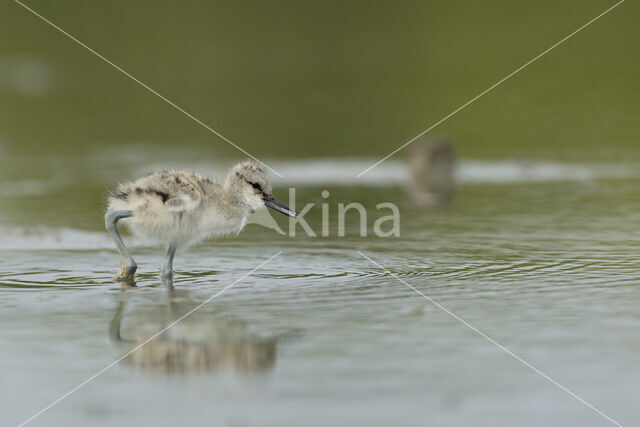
249, 183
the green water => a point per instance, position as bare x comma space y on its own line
538, 252
547, 269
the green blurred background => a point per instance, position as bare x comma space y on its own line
292, 79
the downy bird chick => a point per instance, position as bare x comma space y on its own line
178, 209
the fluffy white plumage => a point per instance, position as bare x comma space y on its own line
178, 209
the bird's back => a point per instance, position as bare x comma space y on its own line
163, 186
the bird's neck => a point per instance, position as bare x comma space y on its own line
235, 204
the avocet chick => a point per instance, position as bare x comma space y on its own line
178, 209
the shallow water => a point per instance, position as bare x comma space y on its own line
546, 266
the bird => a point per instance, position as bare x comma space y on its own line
432, 163
177, 209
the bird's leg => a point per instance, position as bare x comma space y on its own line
167, 268
128, 265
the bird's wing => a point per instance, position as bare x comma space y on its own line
183, 202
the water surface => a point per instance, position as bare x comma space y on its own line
547, 267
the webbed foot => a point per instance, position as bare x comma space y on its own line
126, 275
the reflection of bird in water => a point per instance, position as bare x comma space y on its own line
432, 163
200, 343
179, 209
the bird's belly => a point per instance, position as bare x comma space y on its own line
218, 225
186, 228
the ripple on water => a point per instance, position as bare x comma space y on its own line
46, 238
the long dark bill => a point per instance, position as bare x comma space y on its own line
277, 205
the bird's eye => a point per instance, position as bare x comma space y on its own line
256, 186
